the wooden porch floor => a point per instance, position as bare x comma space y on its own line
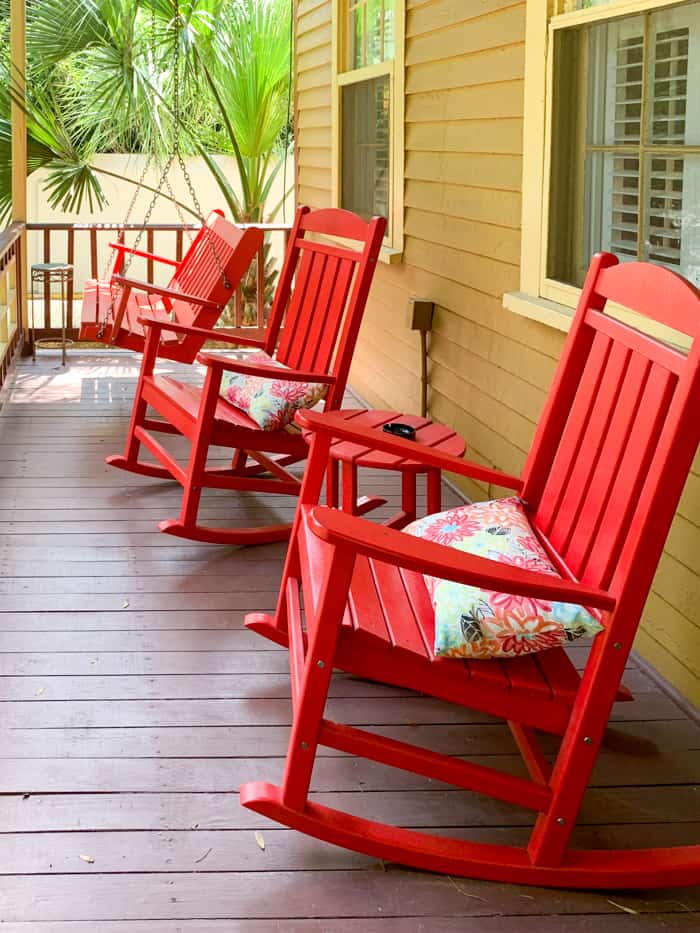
134, 703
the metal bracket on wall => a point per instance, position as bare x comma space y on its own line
422, 311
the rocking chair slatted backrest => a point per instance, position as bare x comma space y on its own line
321, 308
618, 436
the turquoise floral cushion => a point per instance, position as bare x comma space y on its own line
271, 403
475, 623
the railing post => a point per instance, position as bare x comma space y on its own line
10, 294
48, 231
260, 286
70, 259
238, 304
93, 252
149, 247
47, 283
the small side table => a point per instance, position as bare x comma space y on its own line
348, 457
48, 272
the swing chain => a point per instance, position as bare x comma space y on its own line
177, 116
129, 212
176, 153
163, 181
147, 163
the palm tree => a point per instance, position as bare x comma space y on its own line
101, 76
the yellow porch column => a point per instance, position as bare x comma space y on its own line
18, 56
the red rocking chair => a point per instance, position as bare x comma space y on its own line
601, 485
320, 299
199, 290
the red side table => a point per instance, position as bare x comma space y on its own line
347, 457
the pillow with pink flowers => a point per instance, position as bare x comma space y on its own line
271, 403
474, 623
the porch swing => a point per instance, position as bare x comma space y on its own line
202, 283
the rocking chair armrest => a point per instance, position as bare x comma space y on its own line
158, 324
438, 560
342, 428
122, 248
165, 292
260, 369
229, 334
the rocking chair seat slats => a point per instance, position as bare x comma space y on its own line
180, 402
600, 487
388, 626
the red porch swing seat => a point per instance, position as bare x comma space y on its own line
320, 299
197, 294
600, 487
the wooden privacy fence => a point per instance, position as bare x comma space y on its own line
11, 284
66, 242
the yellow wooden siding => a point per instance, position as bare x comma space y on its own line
489, 369
313, 43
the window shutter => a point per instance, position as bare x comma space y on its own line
674, 214
366, 147
668, 107
625, 77
667, 223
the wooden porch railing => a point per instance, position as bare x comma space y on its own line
11, 285
63, 242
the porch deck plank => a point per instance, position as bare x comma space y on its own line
134, 702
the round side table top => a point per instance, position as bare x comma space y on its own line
49, 268
429, 433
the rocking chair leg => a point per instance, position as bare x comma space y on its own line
192, 491
133, 444
318, 667
130, 459
276, 629
577, 754
332, 484
190, 499
303, 740
239, 460
138, 415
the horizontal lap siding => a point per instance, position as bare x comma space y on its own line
463, 167
313, 102
489, 369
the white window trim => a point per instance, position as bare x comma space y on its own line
542, 296
392, 250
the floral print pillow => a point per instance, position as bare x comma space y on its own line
271, 403
475, 623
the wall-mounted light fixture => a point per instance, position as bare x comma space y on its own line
421, 312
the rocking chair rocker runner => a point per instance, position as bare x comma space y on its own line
321, 296
601, 485
196, 296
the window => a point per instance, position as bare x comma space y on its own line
368, 109
619, 156
365, 147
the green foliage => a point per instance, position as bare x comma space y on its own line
100, 78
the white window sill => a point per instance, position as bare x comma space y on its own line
390, 256
539, 309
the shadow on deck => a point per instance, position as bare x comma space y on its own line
134, 703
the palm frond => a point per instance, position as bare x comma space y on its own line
101, 77
56, 29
